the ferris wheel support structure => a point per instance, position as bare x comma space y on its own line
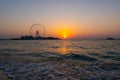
34, 25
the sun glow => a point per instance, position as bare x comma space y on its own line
65, 33
64, 36
64, 30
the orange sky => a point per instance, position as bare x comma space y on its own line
61, 18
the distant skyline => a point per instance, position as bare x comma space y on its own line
69, 19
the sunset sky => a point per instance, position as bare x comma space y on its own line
61, 18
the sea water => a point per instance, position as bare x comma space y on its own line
60, 59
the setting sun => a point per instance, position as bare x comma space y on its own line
65, 30
64, 36
65, 33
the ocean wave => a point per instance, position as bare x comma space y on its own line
80, 57
74, 57
59, 71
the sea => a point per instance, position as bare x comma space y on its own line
60, 59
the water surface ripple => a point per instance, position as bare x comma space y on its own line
60, 59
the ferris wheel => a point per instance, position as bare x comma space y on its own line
37, 30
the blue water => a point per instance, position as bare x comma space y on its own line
60, 59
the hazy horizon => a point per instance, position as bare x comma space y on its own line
70, 19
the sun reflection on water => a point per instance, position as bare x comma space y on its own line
64, 49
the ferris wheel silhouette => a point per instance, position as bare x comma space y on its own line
37, 30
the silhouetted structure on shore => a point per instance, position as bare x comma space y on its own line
26, 37
35, 38
110, 38
37, 35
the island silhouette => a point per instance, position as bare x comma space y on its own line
35, 38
